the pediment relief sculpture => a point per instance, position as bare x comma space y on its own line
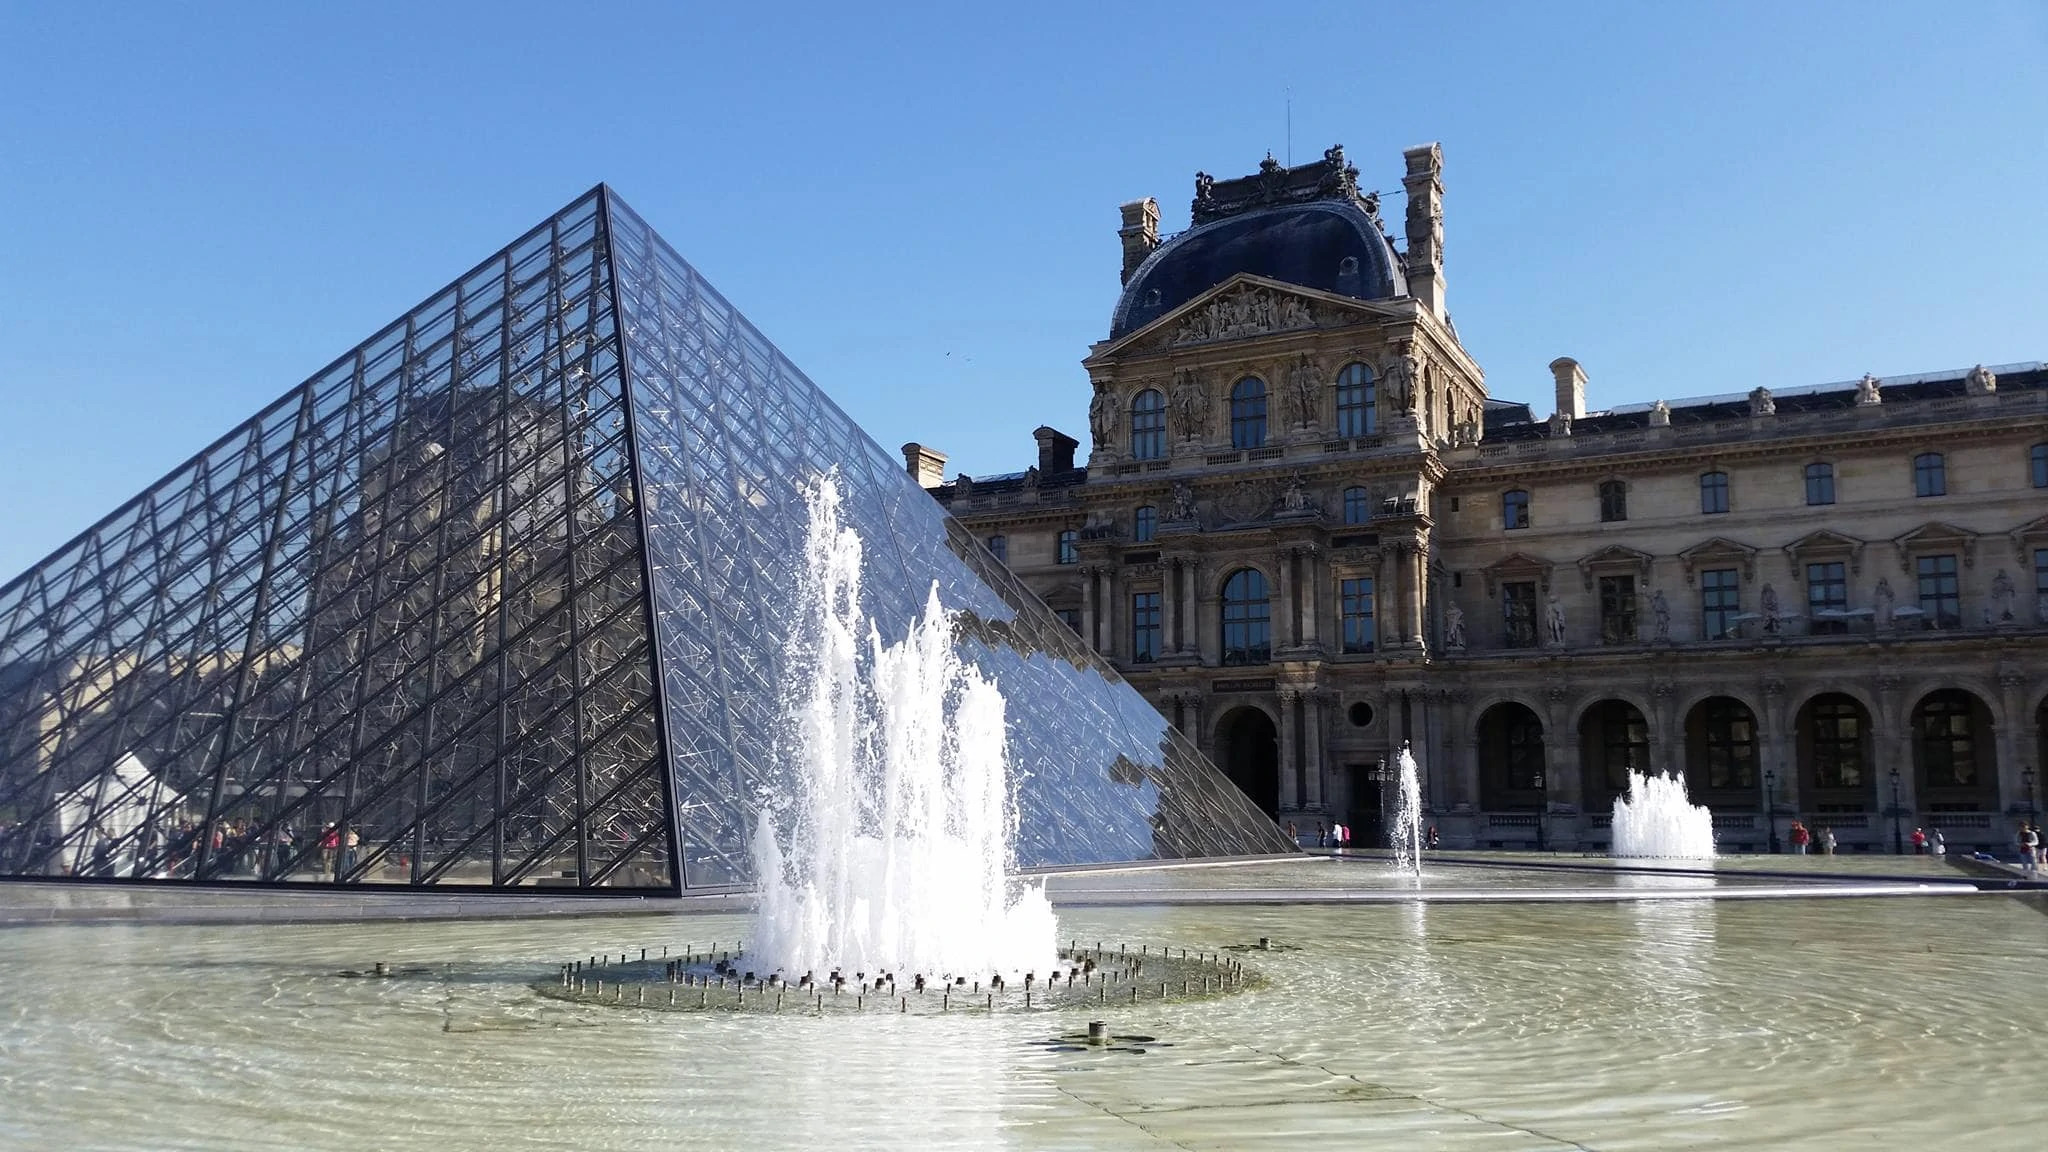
1932, 536
1719, 550
1518, 566
1823, 544
1614, 558
1245, 312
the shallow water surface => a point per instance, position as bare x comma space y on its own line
1770, 1024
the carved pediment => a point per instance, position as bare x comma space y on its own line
1824, 543
1935, 536
2033, 534
1241, 307
1716, 552
1518, 566
1614, 558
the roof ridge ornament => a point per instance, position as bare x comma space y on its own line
1331, 178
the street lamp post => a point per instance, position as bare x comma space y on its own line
2027, 778
1898, 841
1542, 811
1771, 806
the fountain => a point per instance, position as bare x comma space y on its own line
886, 843
1406, 829
1656, 820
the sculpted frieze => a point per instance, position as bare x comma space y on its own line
1245, 312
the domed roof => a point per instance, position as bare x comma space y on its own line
1321, 235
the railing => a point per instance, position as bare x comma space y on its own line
1223, 458
1273, 453
1734, 821
1600, 819
1511, 820
1955, 819
1837, 819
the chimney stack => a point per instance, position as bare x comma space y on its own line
1571, 386
1140, 233
1055, 450
1425, 184
928, 465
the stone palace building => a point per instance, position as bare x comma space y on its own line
1309, 536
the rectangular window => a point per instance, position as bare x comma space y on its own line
1820, 483
1071, 617
1514, 509
1713, 493
1613, 501
1941, 601
1357, 506
1930, 475
1145, 524
1066, 552
999, 546
1518, 614
1827, 598
1144, 627
2040, 582
1359, 632
1617, 609
2037, 464
1720, 600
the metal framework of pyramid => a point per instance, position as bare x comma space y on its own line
499, 598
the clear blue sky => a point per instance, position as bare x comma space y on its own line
204, 203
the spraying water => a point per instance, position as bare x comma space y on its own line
887, 843
1656, 819
1406, 832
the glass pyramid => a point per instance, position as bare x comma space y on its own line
498, 599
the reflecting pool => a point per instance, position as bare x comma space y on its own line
1824, 1023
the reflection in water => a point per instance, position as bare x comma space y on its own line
1671, 961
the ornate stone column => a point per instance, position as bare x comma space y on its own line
1312, 594
1290, 743
1088, 604
2012, 752
1779, 756
1893, 748
1112, 592
1415, 574
1315, 717
1666, 753
1283, 620
1169, 604
1562, 770
1460, 751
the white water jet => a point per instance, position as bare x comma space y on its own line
1656, 820
1406, 830
887, 842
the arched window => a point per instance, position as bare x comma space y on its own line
2037, 464
1357, 505
1820, 483
1144, 524
1833, 736
1613, 501
1720, 745
1357, 401
1247, 618
999, 546
1248, 413
1148, 425
1614, 740
1930, 475
1946, 723
1514, 509
1713, 493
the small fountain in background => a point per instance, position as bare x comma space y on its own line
886, 843
1656, 820
1406, 830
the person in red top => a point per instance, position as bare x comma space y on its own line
1919, 839
1800, 838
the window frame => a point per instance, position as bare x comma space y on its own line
1248, 414
1613, 498
1144, 524
1715, 585
1825, 476
2037, 465
1934, 728
1145, 627
1714, 490
1930, 474
1148, 425
1827, 590
1358, 627
1837, 736
1946, 595
1726, 755
1247, 621
998, 546
1518, 627
1617, 601
1067, 547
1357, 401
1357, 505
1514, 509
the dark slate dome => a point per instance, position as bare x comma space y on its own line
1306, 225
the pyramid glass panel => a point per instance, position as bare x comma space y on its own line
499, 599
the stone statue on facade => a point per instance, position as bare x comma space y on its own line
1102, 419
1183, 504
1981, 381
1454, 628
1760, 402
2002, 593
1294, 498
1868, 392
1305, 390
1553, 620
1772, 620
1881, 603
1401, 376
1190, 405
1660, 415
1660, 617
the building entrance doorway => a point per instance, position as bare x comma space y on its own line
1249, 747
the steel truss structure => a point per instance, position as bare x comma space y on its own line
498, 600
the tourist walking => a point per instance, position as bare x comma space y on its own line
1827, 840
1322, 836
2030, 849
1936, 843
1800, 838
1919, 839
